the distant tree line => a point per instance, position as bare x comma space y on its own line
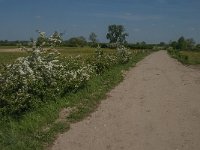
141, 45
184, 44
13, 43
116, 35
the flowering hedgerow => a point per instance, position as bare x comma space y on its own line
43, 76
101, 61
123, 54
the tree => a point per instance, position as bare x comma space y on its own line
77, 41
55, 39
93, 39
173, 44
190, 44
197, 47
182, 44
116, 34
41, 40
56, 35
162, 44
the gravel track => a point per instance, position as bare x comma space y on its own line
156, 107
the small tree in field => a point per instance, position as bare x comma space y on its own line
41, 40
182, 44
116, 34
93, 38
77, 41
56, 38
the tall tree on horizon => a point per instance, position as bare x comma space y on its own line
116, 34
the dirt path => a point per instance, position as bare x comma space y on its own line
157, 107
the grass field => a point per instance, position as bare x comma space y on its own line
7, 47
193, 57
9, 54
9, 57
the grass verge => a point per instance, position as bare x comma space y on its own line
37, 129
185, 57
193, 57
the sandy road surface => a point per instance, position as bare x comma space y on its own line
156, 107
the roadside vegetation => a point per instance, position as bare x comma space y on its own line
37, 128
185, 51
44, 82
193, 57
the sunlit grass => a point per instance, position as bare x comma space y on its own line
9, 56
193, 56
7, 47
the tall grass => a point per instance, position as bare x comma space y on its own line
9, 56
193, 56
186, 57
179, 56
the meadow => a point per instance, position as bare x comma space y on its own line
186, 57
10, 53
193, 57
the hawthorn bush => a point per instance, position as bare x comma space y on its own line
43, 76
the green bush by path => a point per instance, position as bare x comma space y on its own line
185, 57
36, 87
36, 129
177, 55
41, 77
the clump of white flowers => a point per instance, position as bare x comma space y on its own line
124, 54
102, 61
43, 75
40, 77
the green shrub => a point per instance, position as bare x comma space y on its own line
123, 55
177, 55
101, 61
42, 76
38, 78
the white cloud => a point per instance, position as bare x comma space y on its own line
38, 17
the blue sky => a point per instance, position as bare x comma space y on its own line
151, 21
